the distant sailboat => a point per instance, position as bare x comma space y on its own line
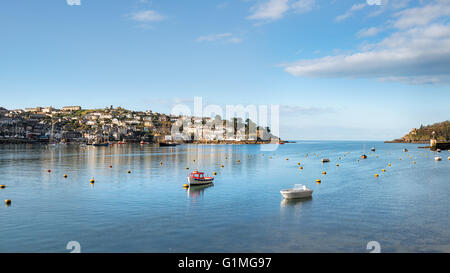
364, 156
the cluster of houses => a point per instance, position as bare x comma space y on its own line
74, 124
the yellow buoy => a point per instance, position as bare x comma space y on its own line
414, 162
383, 170
301, 167
186, 186
2, 186
389, 165
92, 180
160, 163
298, 163
318, 181
337, 165
376, 175
287, 158
187, 168
128, 171
65, 176
324, 172
214, 173
221, 166
8, 202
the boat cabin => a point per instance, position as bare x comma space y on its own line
198, 175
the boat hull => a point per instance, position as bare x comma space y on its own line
289, 194
197, 182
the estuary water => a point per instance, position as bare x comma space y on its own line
405, 209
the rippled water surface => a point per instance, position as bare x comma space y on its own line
405, 209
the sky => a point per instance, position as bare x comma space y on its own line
340, 70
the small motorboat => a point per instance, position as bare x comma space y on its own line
167, 144
373, 149
100, 144
405, 150
438, 150
437, 158
298, 191
196, 178
325, 160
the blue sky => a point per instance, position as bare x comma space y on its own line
338, 69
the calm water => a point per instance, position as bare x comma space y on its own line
406, 209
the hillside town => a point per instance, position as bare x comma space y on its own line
72, 124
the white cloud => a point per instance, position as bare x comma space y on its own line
73, 2
147, 16
302, 6
270, 10
417, 52
223, 37
369, 32
350, 12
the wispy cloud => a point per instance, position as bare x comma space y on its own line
222, 37
369, 32
350, 12
417, 52
270, 10
302, 6
147, 16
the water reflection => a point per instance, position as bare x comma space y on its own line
196, 192
294, 202
292, 208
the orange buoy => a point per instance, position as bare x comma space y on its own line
324, 172
8, 202
65, 176
92, 180
376, 175
2, 186
49, 171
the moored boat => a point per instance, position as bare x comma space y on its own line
298, 191
198, 178
167, 144
100, 144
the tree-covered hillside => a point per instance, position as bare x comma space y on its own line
424, 133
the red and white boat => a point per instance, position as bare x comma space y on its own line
198, 178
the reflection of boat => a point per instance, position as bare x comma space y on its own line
122, 142
195, 191
198, 178
298, 191
143, 142
167, 144
294, 202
